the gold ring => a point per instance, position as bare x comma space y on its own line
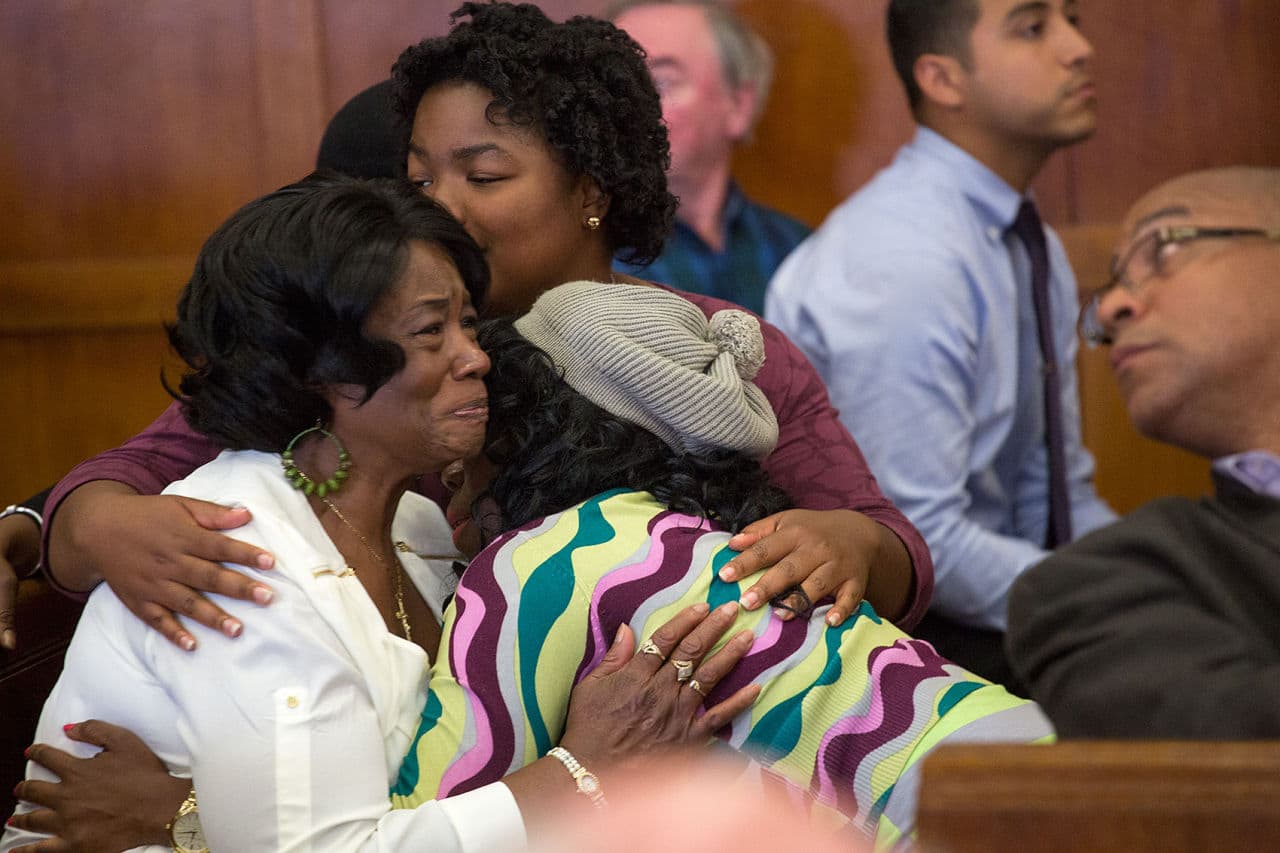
684, 669
648, 647
696, 687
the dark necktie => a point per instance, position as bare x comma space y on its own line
1028, 228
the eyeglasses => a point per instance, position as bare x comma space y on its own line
1153, 256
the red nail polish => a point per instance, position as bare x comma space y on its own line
26, 753
9, 822
68, 727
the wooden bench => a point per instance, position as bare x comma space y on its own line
1077, 796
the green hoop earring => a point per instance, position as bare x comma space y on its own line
304, 483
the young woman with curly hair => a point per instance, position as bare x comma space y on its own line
545, 140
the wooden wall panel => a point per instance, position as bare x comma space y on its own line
1181, 86
65, 396
129, 131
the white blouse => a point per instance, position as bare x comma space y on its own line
293, 732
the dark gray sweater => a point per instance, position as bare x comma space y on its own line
1165, 624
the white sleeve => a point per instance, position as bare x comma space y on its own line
288, 748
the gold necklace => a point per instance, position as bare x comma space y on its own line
397, 574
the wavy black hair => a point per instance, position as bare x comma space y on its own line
276, 307
582, 85
555, 448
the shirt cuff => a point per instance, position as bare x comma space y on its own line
486, 819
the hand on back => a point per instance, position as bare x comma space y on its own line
159, 554
808, 555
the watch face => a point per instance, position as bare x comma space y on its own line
588, 784
187, 833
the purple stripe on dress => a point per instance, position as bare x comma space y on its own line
653, 562
776, 644
897, 671
470, 763
476, 667
667, 560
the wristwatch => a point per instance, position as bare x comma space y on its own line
184, 830
588, 782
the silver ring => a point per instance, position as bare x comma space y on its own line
684, 669
648, 647
697, 687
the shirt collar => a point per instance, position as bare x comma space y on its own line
734, 203
996, 202
1257, 470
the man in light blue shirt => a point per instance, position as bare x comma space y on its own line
914, 300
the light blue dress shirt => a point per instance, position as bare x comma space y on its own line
915, 307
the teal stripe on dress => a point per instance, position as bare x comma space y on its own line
721, 592
548, 591
407, 779
778, 731
955, 693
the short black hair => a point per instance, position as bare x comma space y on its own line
582, 85
363, 139
276, 306
556, 448
917, 27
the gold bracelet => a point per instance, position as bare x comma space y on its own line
588, 783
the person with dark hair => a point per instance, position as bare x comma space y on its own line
1163, 624
713, 73
626, 434
939, 309
363, 139
329, 335
545, 141
623, 451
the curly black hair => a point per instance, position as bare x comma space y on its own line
582, 85
556, 448
276, 307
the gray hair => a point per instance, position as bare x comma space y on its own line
745, 57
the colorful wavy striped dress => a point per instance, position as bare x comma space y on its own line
845, 716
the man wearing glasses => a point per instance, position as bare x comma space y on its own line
1164, 624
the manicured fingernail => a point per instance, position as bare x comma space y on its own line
749, 600
726, 574
9, 822
187, 642
784, 615
68, 727
701, 607
231, 627
9, 639
833, 618
262, 595
26, 753
728, 609
265, 561
617, 637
